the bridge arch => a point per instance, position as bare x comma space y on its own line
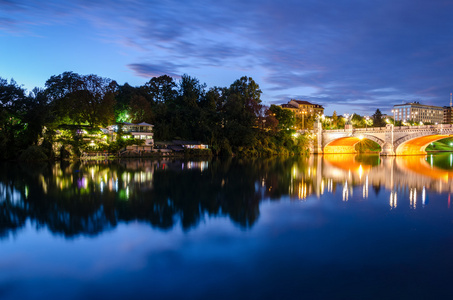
346, 144
416, 143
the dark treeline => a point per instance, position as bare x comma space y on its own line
229, 119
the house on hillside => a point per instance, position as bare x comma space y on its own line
140, 131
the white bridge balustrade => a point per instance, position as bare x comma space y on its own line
394, 140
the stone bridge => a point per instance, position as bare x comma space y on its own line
394, 140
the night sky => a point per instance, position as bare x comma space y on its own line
348, 55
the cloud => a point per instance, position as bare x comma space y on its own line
335, 52
155, 70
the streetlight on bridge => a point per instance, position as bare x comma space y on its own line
303, 113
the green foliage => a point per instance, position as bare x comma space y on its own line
122, 116
122, 143
441, 145
378, 121
367, 146
286, 117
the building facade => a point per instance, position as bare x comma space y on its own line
304, 110
418, 113
447, 115
141, 131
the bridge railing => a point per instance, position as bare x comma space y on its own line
438, 126
370, 129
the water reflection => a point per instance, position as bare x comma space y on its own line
88, 198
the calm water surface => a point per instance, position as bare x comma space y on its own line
332, 227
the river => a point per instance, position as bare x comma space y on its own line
320, 227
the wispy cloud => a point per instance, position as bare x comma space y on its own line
155, 70
337, 52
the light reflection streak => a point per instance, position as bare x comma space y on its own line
345, 192
322, 187
393, 200
423, 196
413, 198
365, 188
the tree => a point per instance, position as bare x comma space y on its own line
123, 99
160, 89
80, 99
191, 91
335, 119
285, 117
377, 119
241, 110
140, 109
358, 121
12, 109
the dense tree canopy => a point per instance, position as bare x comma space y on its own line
229, 119
83, 99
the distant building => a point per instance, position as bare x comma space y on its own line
418, 113
447, 115
304, 109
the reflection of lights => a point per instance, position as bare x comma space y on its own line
393, 200
345, 192
424, 196
43, 183
360, 172
202, 165
413, 198
294, 171
82, 183
322, 186
365, 188
329, 185
26, 192
302, 190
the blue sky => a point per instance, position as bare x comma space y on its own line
348, 55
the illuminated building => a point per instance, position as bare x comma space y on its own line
304, 109
141, 131
418, 113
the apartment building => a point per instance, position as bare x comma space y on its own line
418, 113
